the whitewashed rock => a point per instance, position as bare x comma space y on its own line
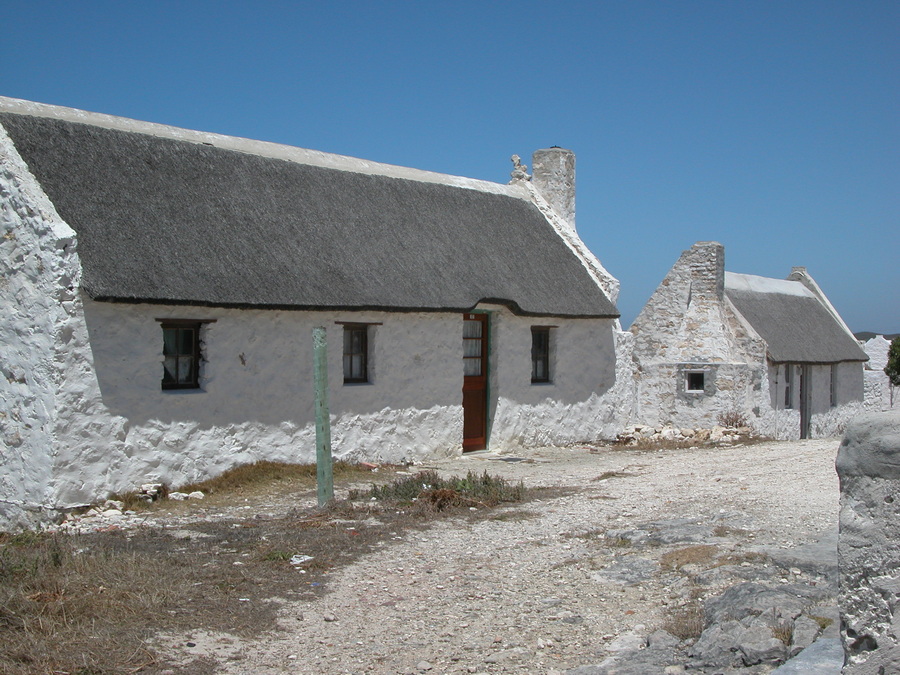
868, 464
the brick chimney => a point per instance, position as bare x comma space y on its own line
553, 174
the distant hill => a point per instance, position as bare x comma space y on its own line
868, 335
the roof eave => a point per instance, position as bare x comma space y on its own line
514, 307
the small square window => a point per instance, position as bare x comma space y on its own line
181, 355
695, 381
356, 353
540, 354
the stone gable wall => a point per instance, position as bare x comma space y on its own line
39, 275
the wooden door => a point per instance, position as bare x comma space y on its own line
475, 378
805, 400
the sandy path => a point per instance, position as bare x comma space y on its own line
517, 594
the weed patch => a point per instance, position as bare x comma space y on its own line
428, 491
685, 623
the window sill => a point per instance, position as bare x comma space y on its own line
358, 384
183, 392
542, 383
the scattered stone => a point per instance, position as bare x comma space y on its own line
150, 492
424, 666
329, 618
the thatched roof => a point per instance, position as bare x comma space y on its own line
166, 220
795, 324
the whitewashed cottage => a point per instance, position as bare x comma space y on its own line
160, 287
713, 346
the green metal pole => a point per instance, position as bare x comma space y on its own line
324, 476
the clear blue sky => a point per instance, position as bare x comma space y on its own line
772, 127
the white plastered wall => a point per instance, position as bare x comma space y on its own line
589, 393
256, 395
116, 428
782, 421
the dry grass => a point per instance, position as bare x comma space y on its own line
824, 622
645, 444
732, 419
685, 623
89, 604
784, 631
250, 479
701, 554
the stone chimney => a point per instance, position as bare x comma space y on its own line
553, 174
707, 265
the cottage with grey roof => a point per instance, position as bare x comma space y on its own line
712, 345
161, 286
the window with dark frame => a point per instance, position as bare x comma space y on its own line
356, 352
695, 381
181, 355
540, 354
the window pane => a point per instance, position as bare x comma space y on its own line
186, 341
471, 347
540, 354
170, 341
695, 381
169, 366
471, 329
185, 369
355, 353
181, 365
472, 367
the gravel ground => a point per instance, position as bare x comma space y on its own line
556, 584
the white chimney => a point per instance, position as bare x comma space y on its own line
553, 174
